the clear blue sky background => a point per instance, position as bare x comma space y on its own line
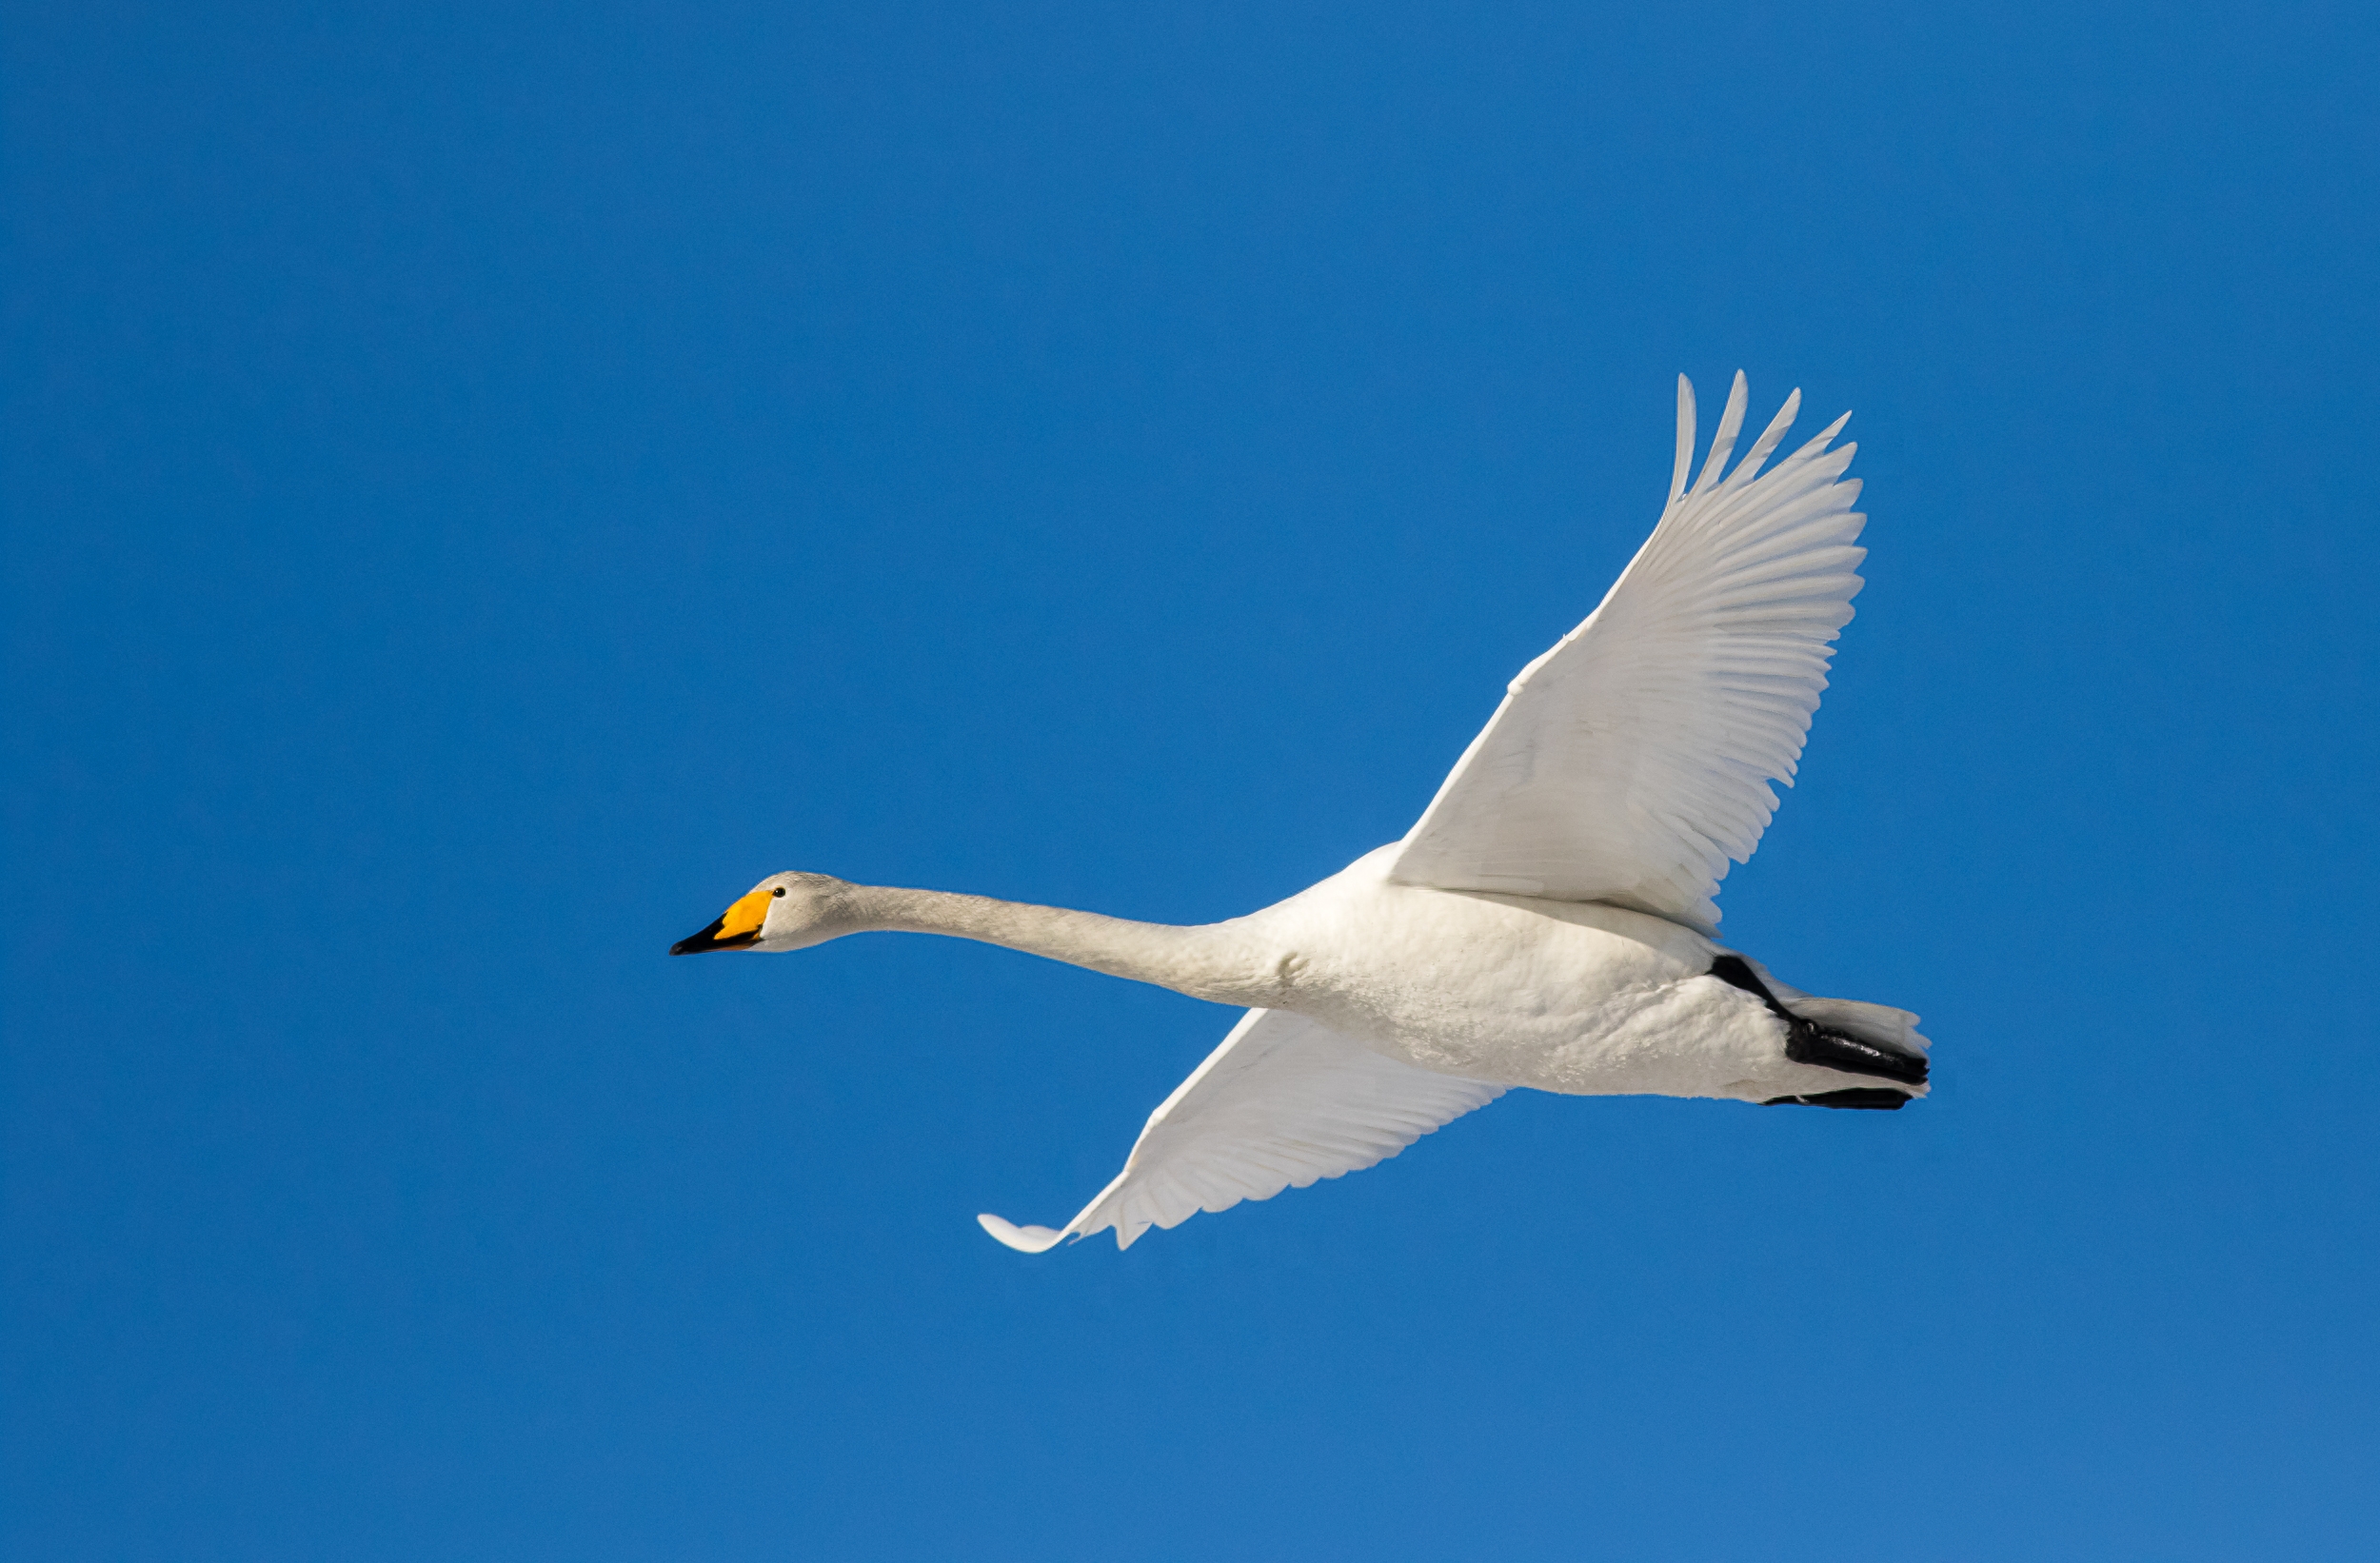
483, 486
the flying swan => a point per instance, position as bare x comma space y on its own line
1549, 921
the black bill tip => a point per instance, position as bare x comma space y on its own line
708, 940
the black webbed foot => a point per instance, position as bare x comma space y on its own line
1874, 1097
1806, 1041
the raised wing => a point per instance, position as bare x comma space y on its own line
1281, 1102
1633, 760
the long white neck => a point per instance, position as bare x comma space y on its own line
1217, 961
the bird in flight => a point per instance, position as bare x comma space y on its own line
1550, 921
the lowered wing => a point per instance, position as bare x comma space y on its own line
1280, 1103
1633, 760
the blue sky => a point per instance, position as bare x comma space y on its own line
483, 487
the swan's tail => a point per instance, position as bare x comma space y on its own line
1839, 1034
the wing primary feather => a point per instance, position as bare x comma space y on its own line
1818, 445
1749, 467
1024, 1239
1685, 437
1723, 443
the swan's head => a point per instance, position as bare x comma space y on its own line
783, 912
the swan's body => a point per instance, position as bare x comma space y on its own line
1576, 996
1547, 922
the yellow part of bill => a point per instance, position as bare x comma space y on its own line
745, 917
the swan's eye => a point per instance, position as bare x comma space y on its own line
779, 891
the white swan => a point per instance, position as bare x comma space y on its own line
1548, 922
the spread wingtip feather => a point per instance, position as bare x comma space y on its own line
1024, 1239
1685, 437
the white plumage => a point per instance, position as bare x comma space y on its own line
1282, 1103
1632, 760
1547, 922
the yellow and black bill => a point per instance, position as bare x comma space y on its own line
738, 927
